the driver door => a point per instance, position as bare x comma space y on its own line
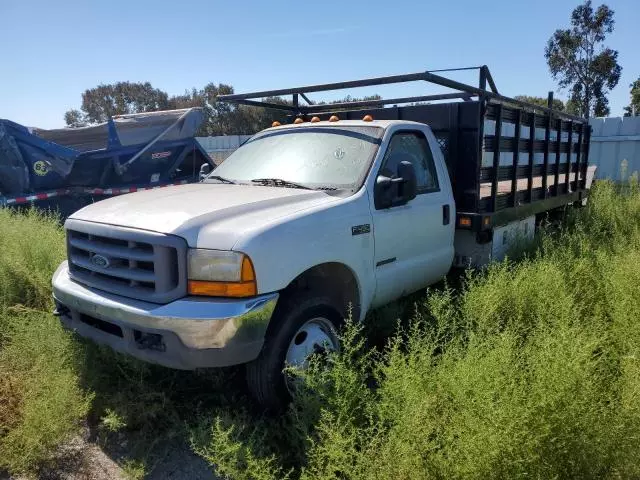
413, 242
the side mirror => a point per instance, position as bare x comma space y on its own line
409, 186
205, 169
393, 192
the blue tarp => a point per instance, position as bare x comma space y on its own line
33, 159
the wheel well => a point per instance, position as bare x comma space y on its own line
333, 280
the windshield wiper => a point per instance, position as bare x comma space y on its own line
278, 182
222, 179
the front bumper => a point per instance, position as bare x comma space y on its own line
189, 333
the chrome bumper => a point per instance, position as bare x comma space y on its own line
188, 333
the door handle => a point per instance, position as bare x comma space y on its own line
446, 214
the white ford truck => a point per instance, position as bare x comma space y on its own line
330, 215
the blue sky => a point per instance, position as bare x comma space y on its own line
54, 50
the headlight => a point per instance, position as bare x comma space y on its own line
215, 265
219, 273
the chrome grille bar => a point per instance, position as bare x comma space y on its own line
96, 246
138, 264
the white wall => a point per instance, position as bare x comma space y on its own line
219, 148
615, 147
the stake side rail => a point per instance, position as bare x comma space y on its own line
506, 157
464, 91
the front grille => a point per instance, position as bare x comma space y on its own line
132, 263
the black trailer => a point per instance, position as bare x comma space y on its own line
507, 159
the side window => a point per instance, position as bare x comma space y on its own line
415, 145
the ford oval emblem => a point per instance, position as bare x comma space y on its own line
100, 261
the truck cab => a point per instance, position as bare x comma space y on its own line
359, 220
307, 223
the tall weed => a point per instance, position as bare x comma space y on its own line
42, 404
529, 370
31, 248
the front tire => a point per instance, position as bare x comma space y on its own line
301, 326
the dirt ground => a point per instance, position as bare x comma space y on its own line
84, 460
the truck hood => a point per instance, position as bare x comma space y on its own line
207, 215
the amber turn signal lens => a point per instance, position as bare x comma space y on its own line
223, 289
246, 287
464, 221
276, 124
247, 274
298, 120
315, 119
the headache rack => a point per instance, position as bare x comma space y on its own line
507, 159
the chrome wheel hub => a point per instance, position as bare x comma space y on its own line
316, 336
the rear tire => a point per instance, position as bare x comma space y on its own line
303, 317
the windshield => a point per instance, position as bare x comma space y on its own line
316, 157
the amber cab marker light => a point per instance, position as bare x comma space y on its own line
333, 118
276, 124
367, 118
315, 119
298, 120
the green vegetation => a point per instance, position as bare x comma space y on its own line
31, 248
579, 61
42, 403
557, 104
529, 369
633, 109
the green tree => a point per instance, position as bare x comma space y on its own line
349, 99
221, 118
557, 104
104, 101
579, 62
218, 116
573, 107
247, 120
74, 118
633, 109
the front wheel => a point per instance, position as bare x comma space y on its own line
301, 327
